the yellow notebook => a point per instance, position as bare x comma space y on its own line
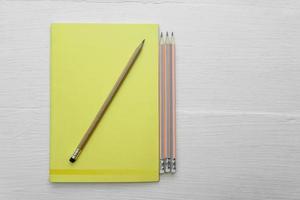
86, 61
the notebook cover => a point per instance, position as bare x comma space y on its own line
86, 61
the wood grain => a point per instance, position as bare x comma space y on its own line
238, 97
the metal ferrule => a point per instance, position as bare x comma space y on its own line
162, 166
76, 154
173, 166
167, 164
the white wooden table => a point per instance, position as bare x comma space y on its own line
238, 78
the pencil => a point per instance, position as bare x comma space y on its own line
106, 103
167, 105
161, 97
173, 106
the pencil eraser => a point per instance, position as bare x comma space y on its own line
72, 160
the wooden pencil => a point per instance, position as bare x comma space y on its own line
106, 103
167, 105
173, 106
161, 97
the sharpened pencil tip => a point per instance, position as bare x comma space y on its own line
161, 34
72, 160
167, 34
143, 41
172, 34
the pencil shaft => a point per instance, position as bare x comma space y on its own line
169, 99
162, 124
173, 101
109, 98
107, 102
161, 103
173, 107
166, 105
166, 144
165, 99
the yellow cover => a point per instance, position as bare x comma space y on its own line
86, 61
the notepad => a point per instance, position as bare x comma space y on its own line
86, 60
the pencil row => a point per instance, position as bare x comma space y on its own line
167, 104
